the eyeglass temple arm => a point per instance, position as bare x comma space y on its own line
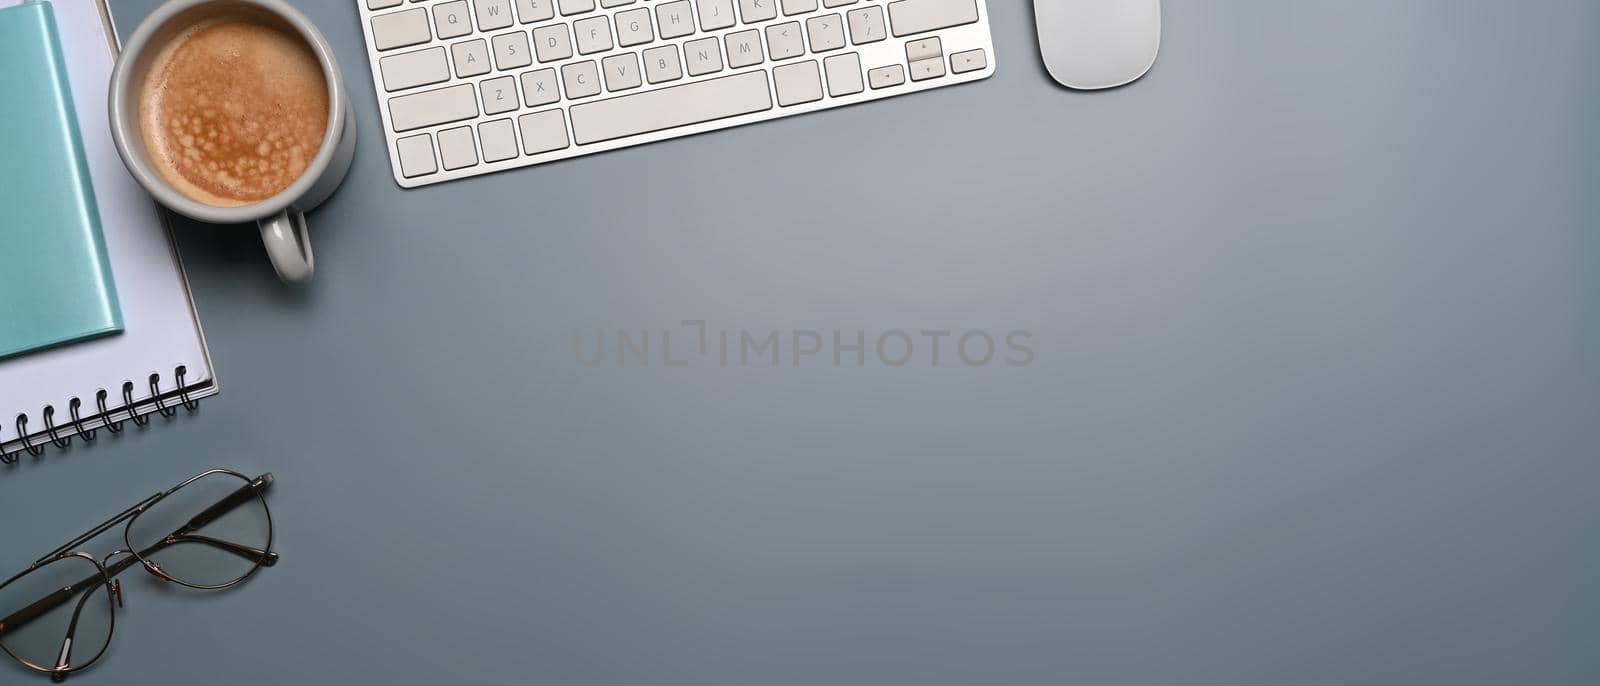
64, 659
266, 558
233, 500
31, 612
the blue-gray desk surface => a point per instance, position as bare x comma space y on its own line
1314, 397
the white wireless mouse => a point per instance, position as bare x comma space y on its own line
1093, 44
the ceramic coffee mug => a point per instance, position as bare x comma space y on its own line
281, 218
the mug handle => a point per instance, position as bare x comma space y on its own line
288, 245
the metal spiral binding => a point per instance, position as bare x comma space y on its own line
100, 401
189, 404
61, 435
127, 403
50, 428
22, 430
77, 422
155, 393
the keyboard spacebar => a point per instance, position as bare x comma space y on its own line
693, 103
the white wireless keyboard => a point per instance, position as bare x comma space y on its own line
468, 87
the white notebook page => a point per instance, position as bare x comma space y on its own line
160, 328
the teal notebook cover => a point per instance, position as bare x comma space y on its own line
55, 278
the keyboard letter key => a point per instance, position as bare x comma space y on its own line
451, 19
529, 11
594, 34
472, 58
576, 6
752, 11
633, 27
581, 79
622, 71
539, 87
493, 14
674, 19
744, 48
791, 7
499, 96
704, 56
552, 42
661, 64
716, 14
511, 50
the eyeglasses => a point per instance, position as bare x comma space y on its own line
211, 531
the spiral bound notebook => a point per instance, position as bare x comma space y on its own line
160, 362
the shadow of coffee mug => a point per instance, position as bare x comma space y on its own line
281, 217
